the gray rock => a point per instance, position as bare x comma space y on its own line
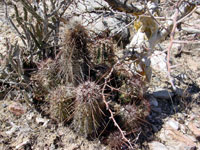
153, 101
163, 94
180, 92
155, 129
85, 14
4, 105
156, 109
157, 146
158, 62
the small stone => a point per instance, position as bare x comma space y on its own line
158, 61
163, 94
182, 128
194, 129
16, 108
176, 140
157, 146
156, 109
174, 145
4, 105
30, 116
42, 121
153, 101
155, 129
180, 92
172, 123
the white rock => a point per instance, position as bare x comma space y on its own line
158, 61
182, 128
172, 123
30, 116
157, 146
42, 120
174, 145
176, 140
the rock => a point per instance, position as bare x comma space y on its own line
155, 129
30, 116
42, 121
158, 62
156, 109
157, 146
180, 92
179, 146
172, 123
163, 94
16, 108
114, 25
153, 101
4, 105
198, 81
175, 140
194, 129
183, 128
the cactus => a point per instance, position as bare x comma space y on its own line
61, 103
131, 117
115, 141
89, 112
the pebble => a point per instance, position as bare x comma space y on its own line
155, 129
16, 108
157, 146
29, 116
176, 140
163, 94
158, 61
156, 109
180, 92
179, 146
172, 123
4, 105
153, 101
42, 121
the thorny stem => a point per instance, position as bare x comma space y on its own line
169, 49
108, 108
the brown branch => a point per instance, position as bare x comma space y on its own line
169, 49
184, 9
108, 107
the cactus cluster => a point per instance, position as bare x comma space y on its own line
84, 99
